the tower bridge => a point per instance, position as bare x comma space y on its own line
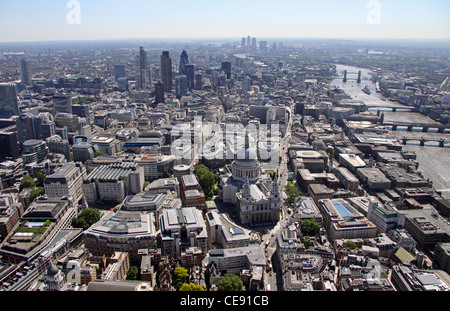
346, 73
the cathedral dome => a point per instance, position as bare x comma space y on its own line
246, 154
246, 165
52, 270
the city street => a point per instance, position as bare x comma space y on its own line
273, 278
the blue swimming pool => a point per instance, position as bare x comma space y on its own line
343, 211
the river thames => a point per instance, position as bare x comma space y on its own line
434, 162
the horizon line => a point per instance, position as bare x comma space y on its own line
226, 38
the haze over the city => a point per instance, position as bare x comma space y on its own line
48, 20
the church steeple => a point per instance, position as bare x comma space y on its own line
275, 193
246, 189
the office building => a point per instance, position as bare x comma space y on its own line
181, 86
351, 161
122, 84
138, 145
442, 256
180, 229
226, 67
41, 126
320, 192
9, 143
373, 178
68, 120
342, 221
184, 60
159, 92
234, 260
223, 233
62, 103
142, 70
81, 110
346, 178
155, 165
9, 103
165, 184
113, 182
427, 227
198, 82
66, 181
263, 46
58, 145
190, 76
25, 74
118, 266
10, 212
385, 216
119, 72
121, 232
44, 219
410, 279
191, 192
305, 208
151, 201
108, 145
306, 178
83, 151
166, 71
34, 151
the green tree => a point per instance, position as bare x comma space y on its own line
207, 180
80, 223
180, 274
350, 244
230, 283
132, 273
78, 101
27, 182
35, 193
292, 192
307, 241
309, 227
86, 218
191, 287
40, 177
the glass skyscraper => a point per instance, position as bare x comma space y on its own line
25, 74
9, 104
143, 78
181, 86
190, 73
119, 72
166, 71
184, 60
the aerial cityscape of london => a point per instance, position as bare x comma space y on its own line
242, 146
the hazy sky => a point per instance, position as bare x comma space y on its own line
41, 20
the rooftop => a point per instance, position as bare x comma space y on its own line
124, 223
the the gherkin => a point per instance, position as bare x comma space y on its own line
184, 60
